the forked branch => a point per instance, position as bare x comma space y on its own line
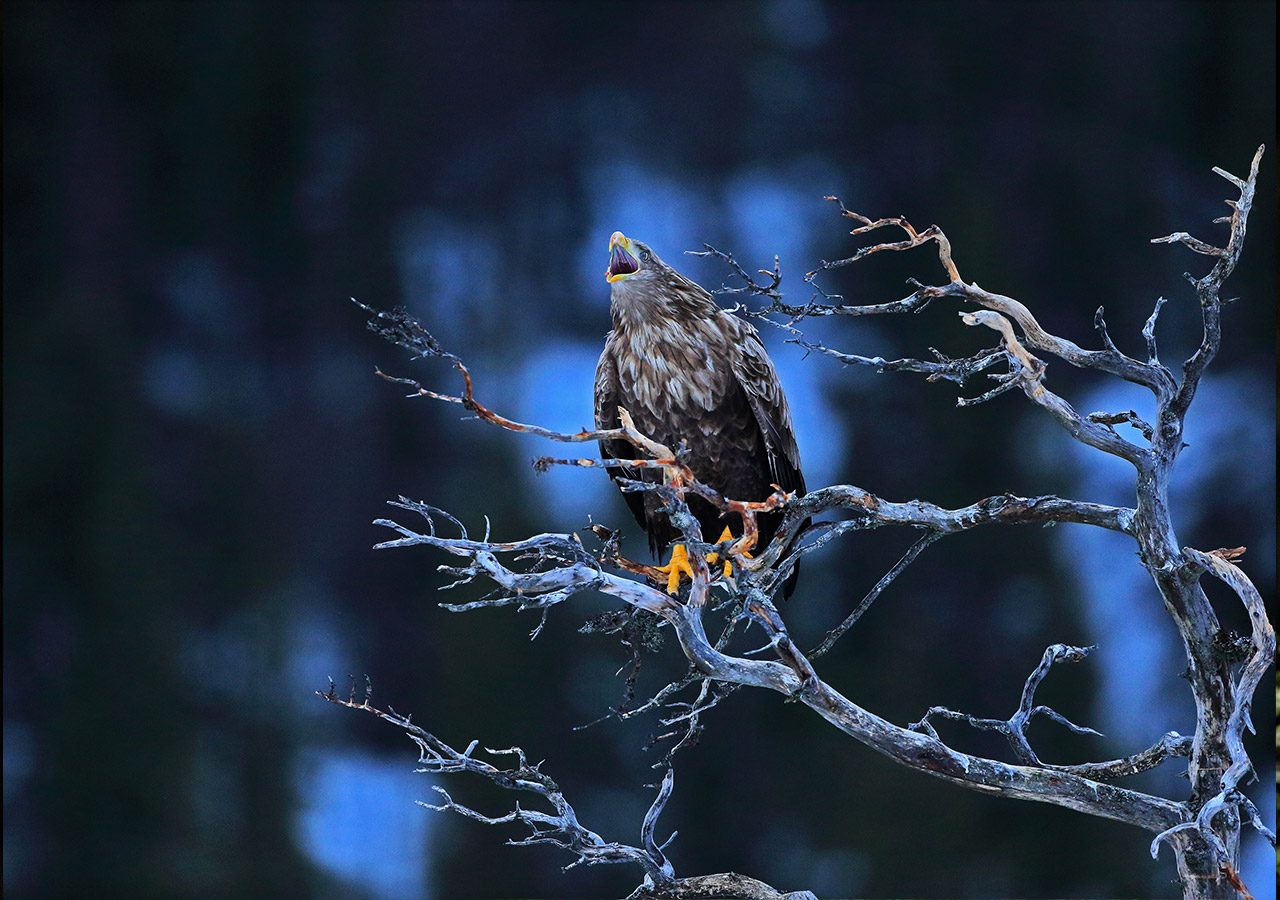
1014, 728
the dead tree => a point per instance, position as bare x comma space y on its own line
1203, 829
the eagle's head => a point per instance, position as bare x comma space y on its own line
632, 263
645, 289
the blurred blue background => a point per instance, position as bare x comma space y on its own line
195, 444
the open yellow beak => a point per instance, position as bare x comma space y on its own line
622, 258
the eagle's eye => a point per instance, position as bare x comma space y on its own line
645, 256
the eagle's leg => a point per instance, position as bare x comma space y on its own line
678, 565
728, 566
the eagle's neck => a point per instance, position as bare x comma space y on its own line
666, 301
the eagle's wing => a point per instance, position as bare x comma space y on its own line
759, 380
608, 396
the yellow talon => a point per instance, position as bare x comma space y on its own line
713, 557
678, 565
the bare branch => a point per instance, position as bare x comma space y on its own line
1263, 645
1108, 360
912, 303
1014, 728
1170, 746
1002, 509
1029, 372
559, 828
1199, 246
405, 331
1207, 290
1149, 334
749, 284
914, 239
885, 580
941, 367
1128, 417
651, 821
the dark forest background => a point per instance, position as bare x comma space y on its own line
195, 444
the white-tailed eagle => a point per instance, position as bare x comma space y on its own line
690, 372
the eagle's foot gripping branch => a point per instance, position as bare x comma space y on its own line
679, 563
713, 558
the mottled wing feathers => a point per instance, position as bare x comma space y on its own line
759, 380
608, 396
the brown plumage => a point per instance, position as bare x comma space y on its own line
690, 372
